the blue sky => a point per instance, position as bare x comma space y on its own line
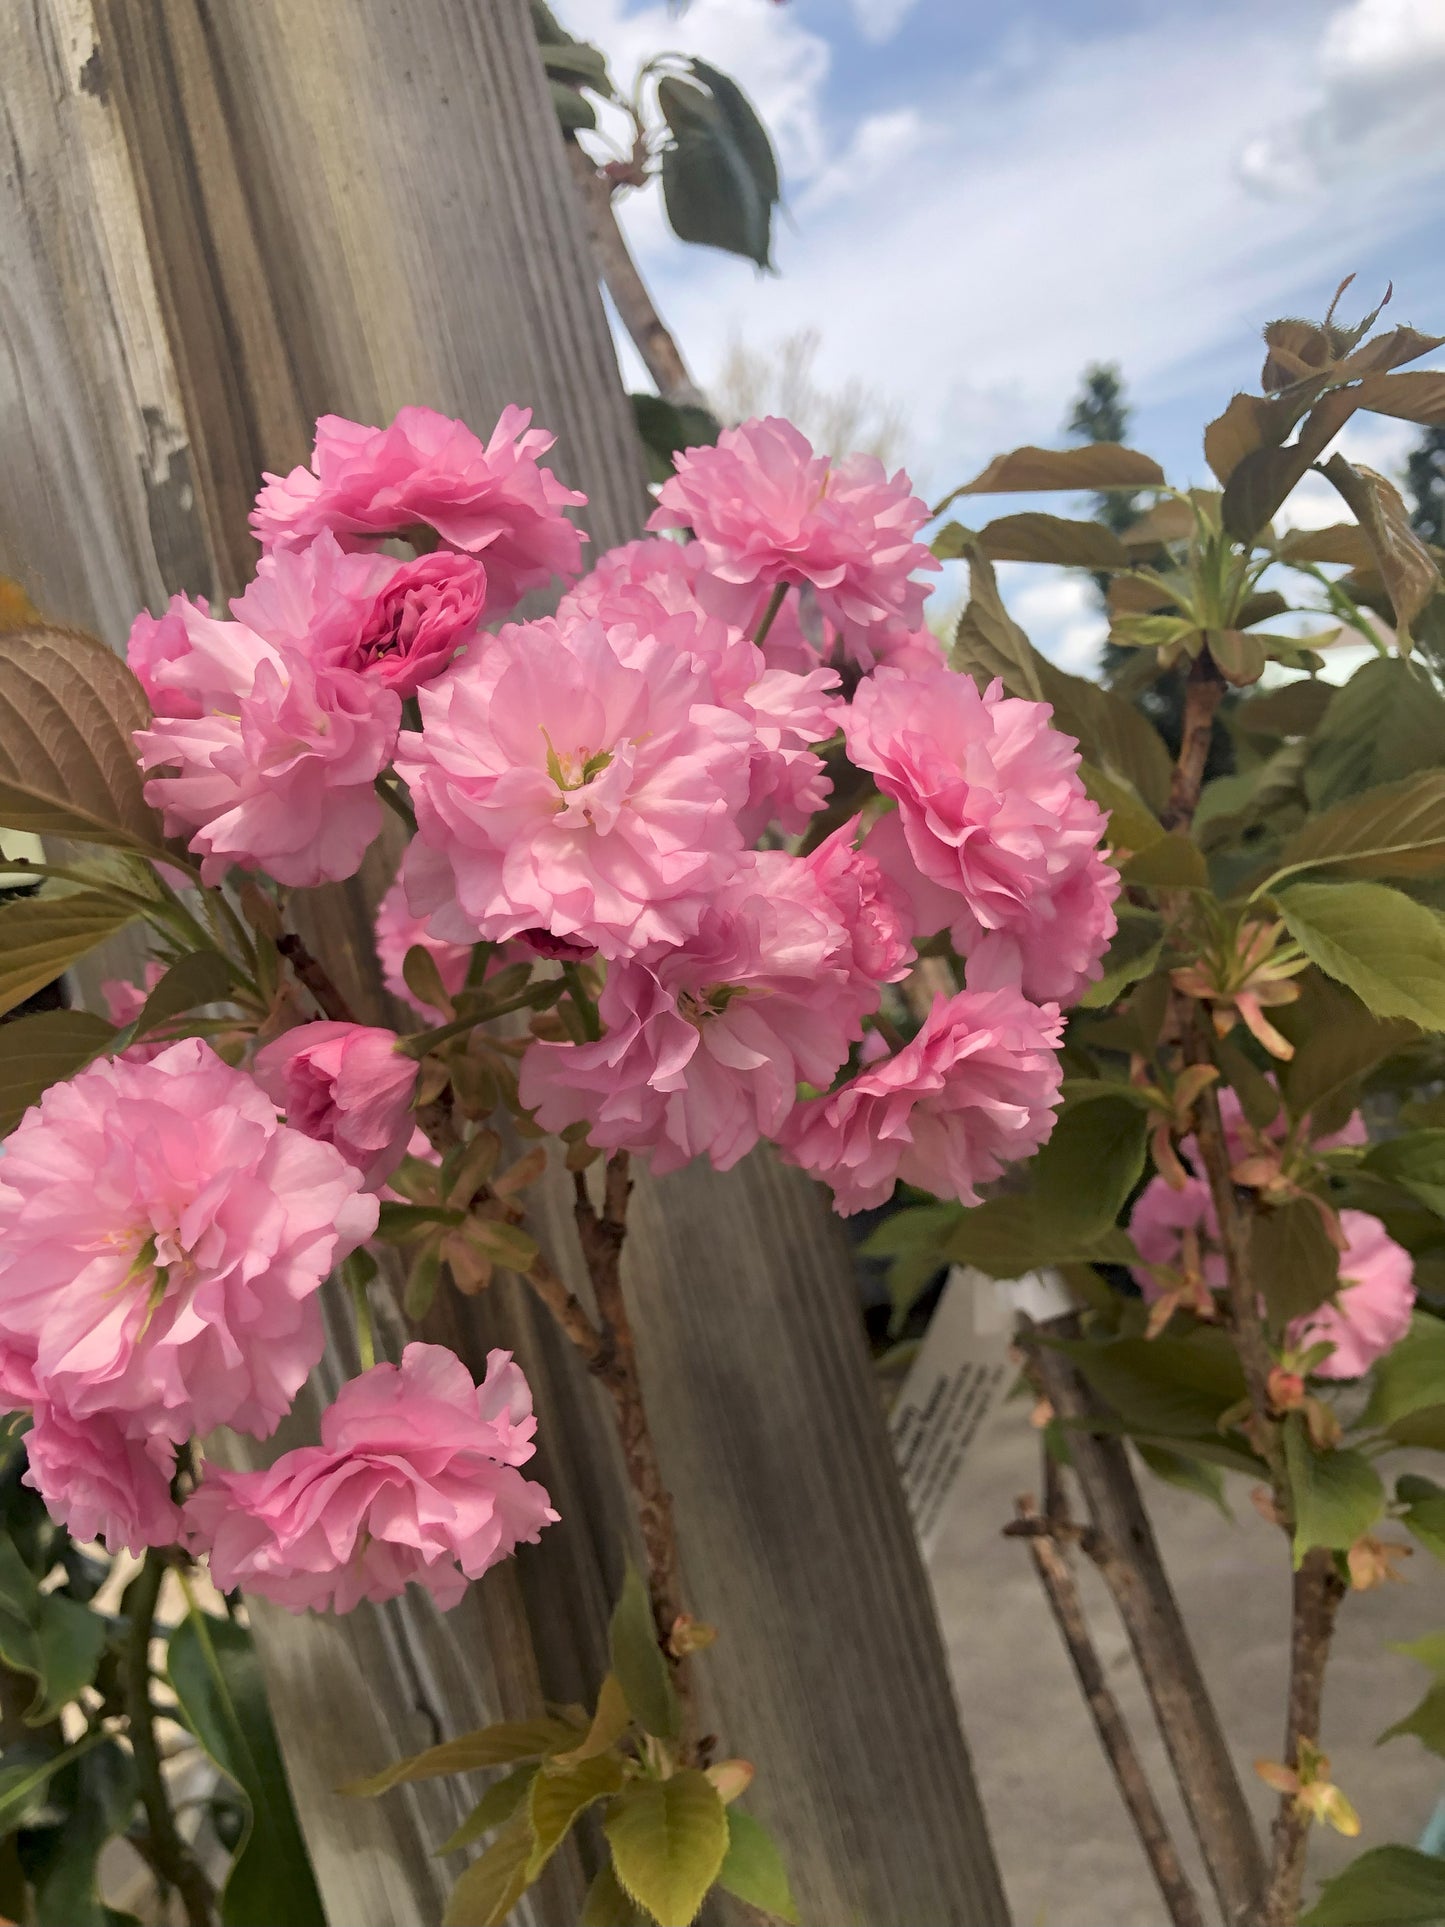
983, 198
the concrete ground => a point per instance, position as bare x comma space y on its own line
1069, 1856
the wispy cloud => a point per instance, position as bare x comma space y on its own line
879, 20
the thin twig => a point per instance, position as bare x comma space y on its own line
317, 979
1114, 1735
1203, 693
1318, 1590
169, 1854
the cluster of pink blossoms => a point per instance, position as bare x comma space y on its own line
1174, 1227
638, 784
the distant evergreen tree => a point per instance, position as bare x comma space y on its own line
1425, 484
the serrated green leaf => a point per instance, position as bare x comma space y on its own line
609, 1905
216, 1677
1164, 1388
1036, 537
1410, 1377
1424, 1515
1396, 830
1174, 862
668, 1839
1386, 722
1386, 948
202, 977
504, 1244
1416, 1162
1336, 1042
711, 191
1386, 1887
558, 1796
1293, 1259
501, 1744
498, 1803
1134, 953
1425, 1722
753, 1868
637, 1660
1429, 1650
610, 1720
1082, 1176
1337, 1494
493, 1884
43, 1049
1182, 1469
1004, 1238
42, 936
1097, 465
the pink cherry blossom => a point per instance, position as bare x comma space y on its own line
425, 470
994, 834
767, 510
274, 767
124, 1002
347, 1085
414, 1479
1371, 1311
871, 907
1158, 1223
972, 1092
397, 623
704, 1045
100, 1484
162, 1240
573, 779
398, 931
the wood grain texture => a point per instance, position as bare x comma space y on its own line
351, 208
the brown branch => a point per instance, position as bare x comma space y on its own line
1318, 1590
314, 975
1126, 1553
653, 340
1114, 1735
1203, 693
571, 1314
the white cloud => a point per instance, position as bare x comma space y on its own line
1058, 611
879, 20
1374, 441
880, 144
1380, 104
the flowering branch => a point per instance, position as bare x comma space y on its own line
1318, 1591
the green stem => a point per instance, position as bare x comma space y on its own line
173, 1859
775, 602
25, 867
420, 1042
582, 1003
365, 1330
396, 803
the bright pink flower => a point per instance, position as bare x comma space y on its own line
767, 510
1371, 1311
704, 1044
347, 1085
994, 833
414, 1479
397, 623
973, 1091
870, 906
162, 1240
190, 662
398, 931
279, 771
124, 1002
577, 780
426, 470
102, 1485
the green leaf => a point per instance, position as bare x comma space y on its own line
1025, 471
403, 1223
637, 1660
98, 1793
202, 977
1386, 1887
1086, 1170
1388, 949
68, 766
1132, 824
1397, 830
913, 1241
1404, 563
1174, 862
1416, 1163
1134, 953
492, 1885
1429, 1650
42, 936
41, 1049
719, 175
1004, 1238
1188, 1473
216, 1677
1337, 1495
49, 1636
27, 1770
610, 1720
573, 109
498, 1803
1426, 1722
558, 1797
669, 1839
1164, 1388
504, 1244
1034, 537
1410, 1377
1294, 1261
1337, 1041
1424, 1515
1386, 722
753, 1868
608, 1905
667, 428
499, 1745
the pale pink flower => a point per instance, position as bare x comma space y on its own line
162, 1240
398, 931
1371, 1311
100, 1484
1158, 1224
414, 1479
767, 510
871, 907
973, 1091
994, 834
190, 662
124, 1002
278, 773
704, 1044
577, 780
427, 471
347, 1085
397, 623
